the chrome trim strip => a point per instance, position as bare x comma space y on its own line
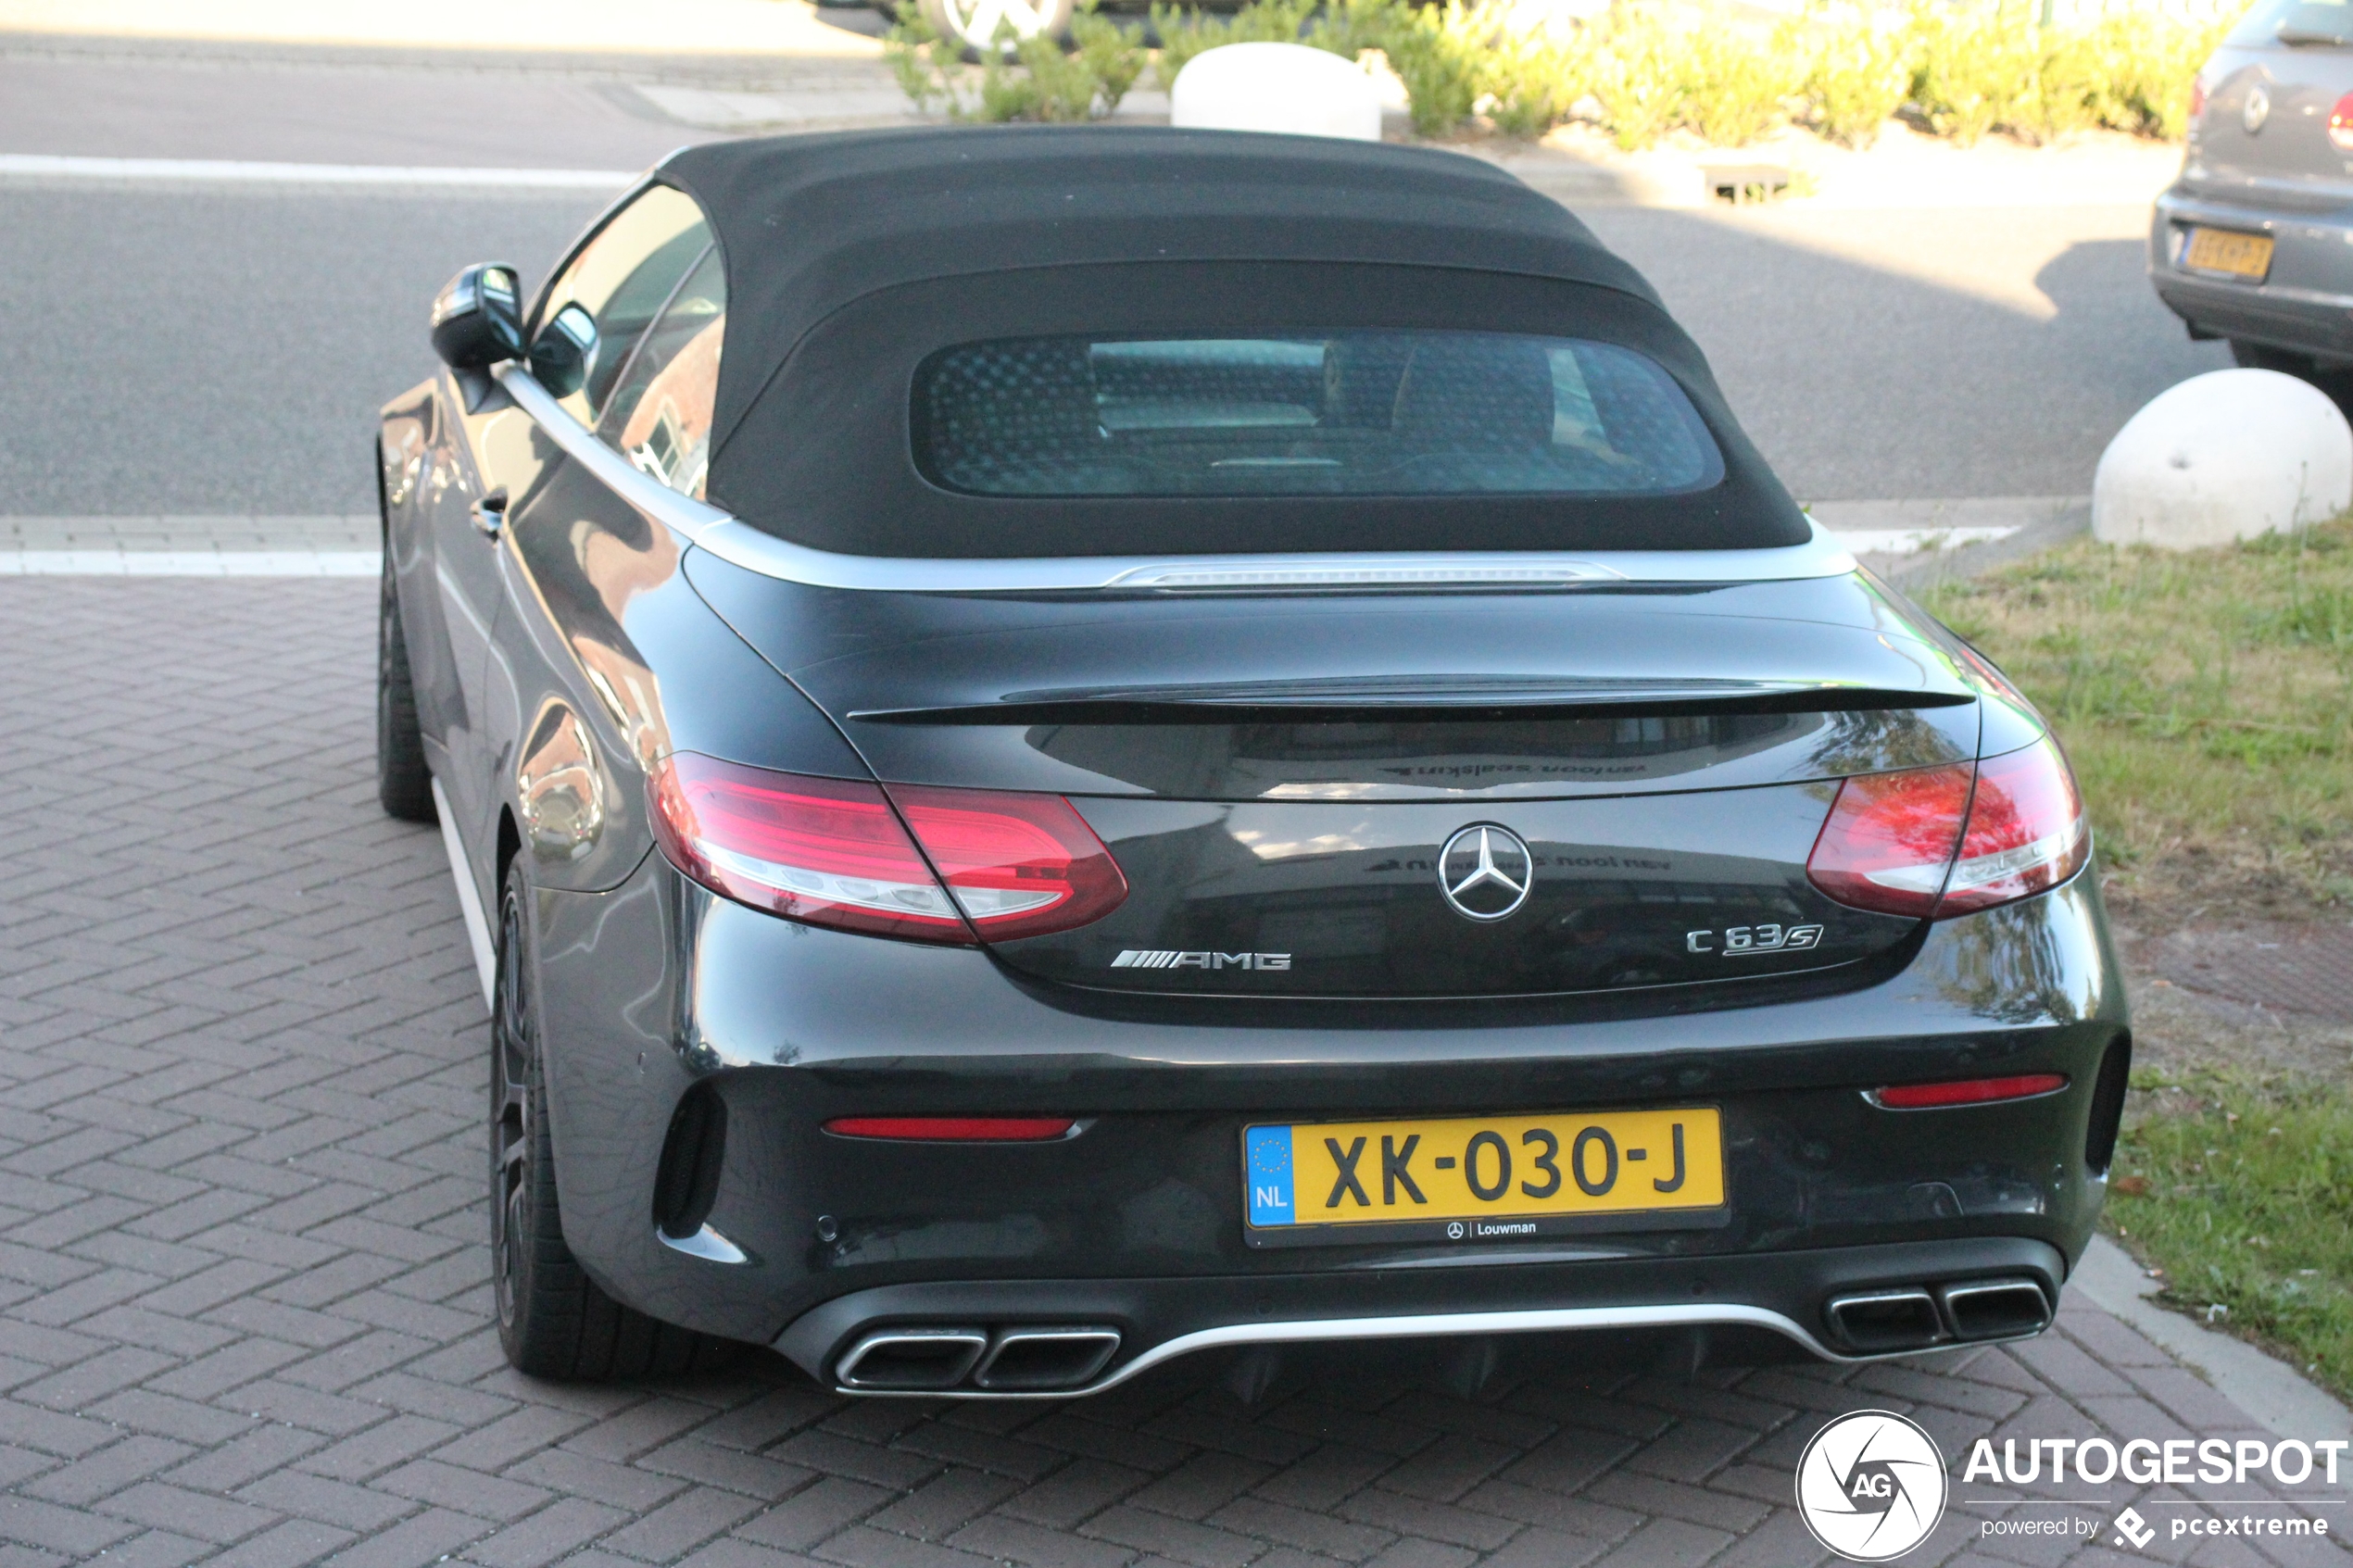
468, 899
740, 545
1425, 1326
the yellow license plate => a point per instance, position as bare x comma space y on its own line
2225, 250
1484, 1177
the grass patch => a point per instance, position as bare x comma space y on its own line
2241, 1191
2206, 699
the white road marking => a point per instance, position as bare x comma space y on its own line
43, 165
1912, 541
189, 563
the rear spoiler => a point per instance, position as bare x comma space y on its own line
1419, 699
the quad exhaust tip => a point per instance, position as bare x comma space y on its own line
1027, 1358
1921, 1317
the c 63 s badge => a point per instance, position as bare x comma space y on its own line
1162, 959
1747, 941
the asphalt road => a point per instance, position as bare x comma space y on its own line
197, 349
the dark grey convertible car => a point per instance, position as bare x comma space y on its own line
1068, 748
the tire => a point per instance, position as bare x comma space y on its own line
403, 781
553, 1320
974, 23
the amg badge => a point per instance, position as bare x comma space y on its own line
1133, 959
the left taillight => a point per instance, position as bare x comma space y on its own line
838, 852
1939, 842
2341, 124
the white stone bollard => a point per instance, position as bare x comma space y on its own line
2224, 456
1281, 87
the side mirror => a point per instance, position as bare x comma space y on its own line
477, 318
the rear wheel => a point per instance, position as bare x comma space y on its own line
403, 783
553, 1321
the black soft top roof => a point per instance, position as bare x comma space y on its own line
809, 223
810, 226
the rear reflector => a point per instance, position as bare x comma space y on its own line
836, 852
1939, 842
1967, 1091
953, 1129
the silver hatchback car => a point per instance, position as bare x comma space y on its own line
2254, 243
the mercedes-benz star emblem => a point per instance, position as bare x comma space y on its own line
1485, 871
2257, 110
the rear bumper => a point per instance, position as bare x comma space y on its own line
656, 989
2306, 303
1702, 1306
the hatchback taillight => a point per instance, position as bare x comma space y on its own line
2341, 124
838, 852
2198, 100
1937, 842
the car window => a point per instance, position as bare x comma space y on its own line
1360, 413
596, 310
658, 413
2301, 21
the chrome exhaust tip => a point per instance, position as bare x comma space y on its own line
1995, 1309
1879, 1322
910, 1361
1042, 1359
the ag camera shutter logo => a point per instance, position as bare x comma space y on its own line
1870, 1486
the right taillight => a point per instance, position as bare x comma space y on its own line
2341, 124
1937, 842
838, 852
2198, 100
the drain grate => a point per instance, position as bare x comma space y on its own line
2299, 969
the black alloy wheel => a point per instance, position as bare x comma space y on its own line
553, 1321
404, 784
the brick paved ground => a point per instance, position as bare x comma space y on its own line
243, 1290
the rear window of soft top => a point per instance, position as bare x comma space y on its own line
1352, 413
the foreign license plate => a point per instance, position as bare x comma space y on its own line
2228, 251
1484, 1178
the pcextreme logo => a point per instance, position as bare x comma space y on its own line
1870, 1486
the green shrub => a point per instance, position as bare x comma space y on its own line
1970, 66
1531, 79
2146, 62
1858, 74
1979, 68
1041, 81
1735, 84
1440, 54
1184, 33
1638, 76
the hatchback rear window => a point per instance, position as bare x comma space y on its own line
1364, 413
2326, 22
